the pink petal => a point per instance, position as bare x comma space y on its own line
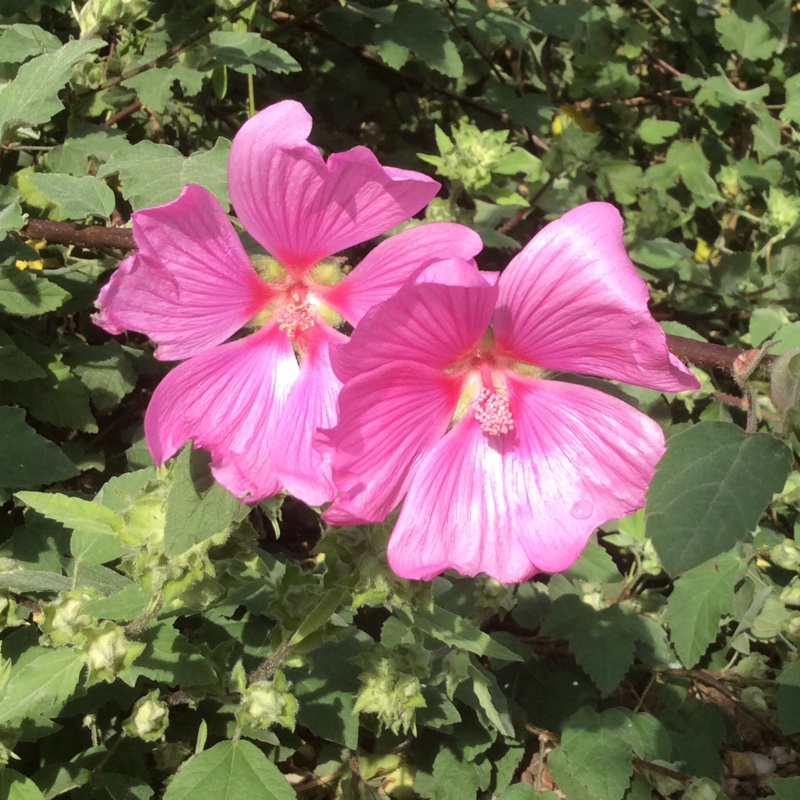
393, 261
528, 500
301, 209
584, 458
387, 417
460, 512
305, 472
427, 322
228, 400
573, 301
190, 285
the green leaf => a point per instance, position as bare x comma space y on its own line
26, 295
114, 786
598, 757
29, 460
657, 131
709, 491
152, 174
426, 33
456, 631
603, 642
229, 771
94, 526
14, 786
153, 87
32, 97
14, 364
744, 31
41, 682
34, 580
697, 604
19, 42
76, 198
320, 614
786, 788
491, 699
788, 698
244, 52
170, 658
73, 512
11, 217
197, 507
453, 778
106, 371
686, 158
524, 791
562, 21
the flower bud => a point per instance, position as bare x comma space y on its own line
786, 555
65, 620
149, 718
108, 653
267, 702
392, 695
790, 595
783, 210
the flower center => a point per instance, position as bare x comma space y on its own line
296, 308
493, 411
295, 317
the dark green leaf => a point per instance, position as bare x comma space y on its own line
709, 491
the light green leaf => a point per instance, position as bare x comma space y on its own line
786, 788
153, 87
197, 507
320, 614
11, 216
459, 632
453, 778
73, 512
19, 42
26, 295
41, 681
75, 198
14, 786
709, 491
744, 31
29, 460
229, 771
697, 604
34, 580
598, 757
151, 174
32, 97
657, 131
244, 52
524, 791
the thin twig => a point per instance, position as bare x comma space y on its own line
93, 236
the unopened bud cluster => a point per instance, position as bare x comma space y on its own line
391, 687
149, 718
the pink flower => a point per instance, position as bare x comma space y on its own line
445, 404
255, 402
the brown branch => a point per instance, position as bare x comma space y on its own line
719, 356
93, 236
122, 113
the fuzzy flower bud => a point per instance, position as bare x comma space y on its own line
786, 555
267, 702
65, 620
790, 595
783, 210
149, 718
108, 653
392, 695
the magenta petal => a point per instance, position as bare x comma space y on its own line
190, 285
393, 261
301, 209
462, 512
425, 322
228, 400
304, 471
583, 458
573, 301
387, 417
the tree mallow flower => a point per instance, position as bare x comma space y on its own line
255, 402
446, 405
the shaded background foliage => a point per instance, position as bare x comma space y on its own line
153, 623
